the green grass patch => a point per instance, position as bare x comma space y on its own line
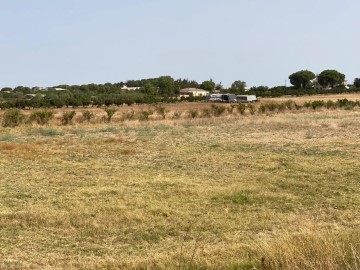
48, 132
7, 137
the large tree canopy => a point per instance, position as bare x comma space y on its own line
238, 87
357, 82
301, 79
166, 85
330, 78
208, 85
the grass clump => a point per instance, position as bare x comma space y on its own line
235, 198
7, 137
12, 118
109, 130
47, 132
310, 251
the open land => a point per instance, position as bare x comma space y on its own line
274, 191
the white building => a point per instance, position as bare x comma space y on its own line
125, 87
195, 92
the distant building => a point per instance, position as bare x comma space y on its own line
32, 96
195, 92
125, 87
29, 96
37, 88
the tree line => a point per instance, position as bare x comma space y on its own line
163, 89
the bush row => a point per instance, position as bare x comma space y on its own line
14, 117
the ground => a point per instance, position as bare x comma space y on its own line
168, 193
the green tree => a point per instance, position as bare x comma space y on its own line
219, 86
238, 87
166, 85
302, 78
149, 89
357, 82
330, 78
22, 89
208, 85
6, 89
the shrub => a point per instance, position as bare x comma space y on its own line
317, 104
217, 110
262, 108
42, 117
272, 106
343, 102
161, 111
281, 107
231, 108
67, 117
252, 109
144, 115
177, 115
128, 116
307, 104
193, 113
347, 104
241, 108
109, 113
87, 115
289, 104
12, 118
330, 104
298, 107
206, 112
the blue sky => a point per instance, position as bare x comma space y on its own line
45, 43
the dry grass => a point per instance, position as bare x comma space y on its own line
261, 192
302, 99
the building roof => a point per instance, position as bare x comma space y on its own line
188, 90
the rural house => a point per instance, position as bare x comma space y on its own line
194, 92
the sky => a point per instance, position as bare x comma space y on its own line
261, 42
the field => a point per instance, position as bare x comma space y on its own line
272, 191
300, 99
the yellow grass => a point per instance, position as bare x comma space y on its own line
234, 192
